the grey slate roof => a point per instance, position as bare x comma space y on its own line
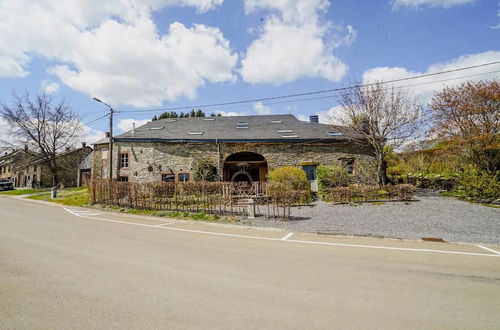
269, 128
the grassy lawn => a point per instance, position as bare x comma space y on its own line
72, 196
21, 192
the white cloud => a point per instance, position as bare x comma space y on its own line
294, 43
230, 113
334, 116
425, 89
113, 50
90, 135
49, 87
498, 16
126, 125
429, 3
262, 109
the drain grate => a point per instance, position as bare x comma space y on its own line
433, 239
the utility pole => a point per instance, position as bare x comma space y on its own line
110, 169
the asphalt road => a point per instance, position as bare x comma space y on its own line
59, 270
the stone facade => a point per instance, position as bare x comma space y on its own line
148, 162
37, 173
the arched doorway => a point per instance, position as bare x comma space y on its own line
245, 167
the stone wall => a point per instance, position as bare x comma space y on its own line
149, 161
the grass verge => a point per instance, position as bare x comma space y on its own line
200, 216
72, 197
21, 192
79, 197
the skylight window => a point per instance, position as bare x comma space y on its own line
289, 136
196, 133
170, 120
285, 131
156, 128
276, 121
334, 133
242, 125
209, 119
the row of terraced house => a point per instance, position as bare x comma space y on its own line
29, 169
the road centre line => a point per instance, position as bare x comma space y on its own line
291, 241
287, 236
487, 249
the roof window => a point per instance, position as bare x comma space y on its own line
284, 131
196, 133
209, 118
156, 128
276, 121
242, 125
334, 133
289, 136
170, 120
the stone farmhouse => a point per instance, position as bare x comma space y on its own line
243, 148
26, 168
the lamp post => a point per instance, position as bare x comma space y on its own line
110, 137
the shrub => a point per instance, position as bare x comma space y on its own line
205, 171
403, 192
291, 176
342, 194
479, 185
332, 176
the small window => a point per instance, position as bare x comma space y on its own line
123, 160
334, 133
195, 133
285, 131
183, 177
156, 128
348, 163
289, 136
123, 178
276, 121
310, 172
168, 177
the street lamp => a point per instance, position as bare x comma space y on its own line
110, 137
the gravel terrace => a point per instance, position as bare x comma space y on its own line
431, 216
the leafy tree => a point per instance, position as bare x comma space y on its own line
468, 118
172, 114
379, 118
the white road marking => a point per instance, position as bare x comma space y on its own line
488, 249
163, 224
287, 236
290, 241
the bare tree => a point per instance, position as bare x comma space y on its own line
49, 128
381, 118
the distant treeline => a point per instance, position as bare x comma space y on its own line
192, 114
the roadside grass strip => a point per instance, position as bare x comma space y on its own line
165, 226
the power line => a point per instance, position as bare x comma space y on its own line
310, 93
93, 121
324, 97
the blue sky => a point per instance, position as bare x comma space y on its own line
141, 55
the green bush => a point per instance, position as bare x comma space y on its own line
291, 176
479, 186
333, 176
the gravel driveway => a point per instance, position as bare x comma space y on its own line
430, 216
